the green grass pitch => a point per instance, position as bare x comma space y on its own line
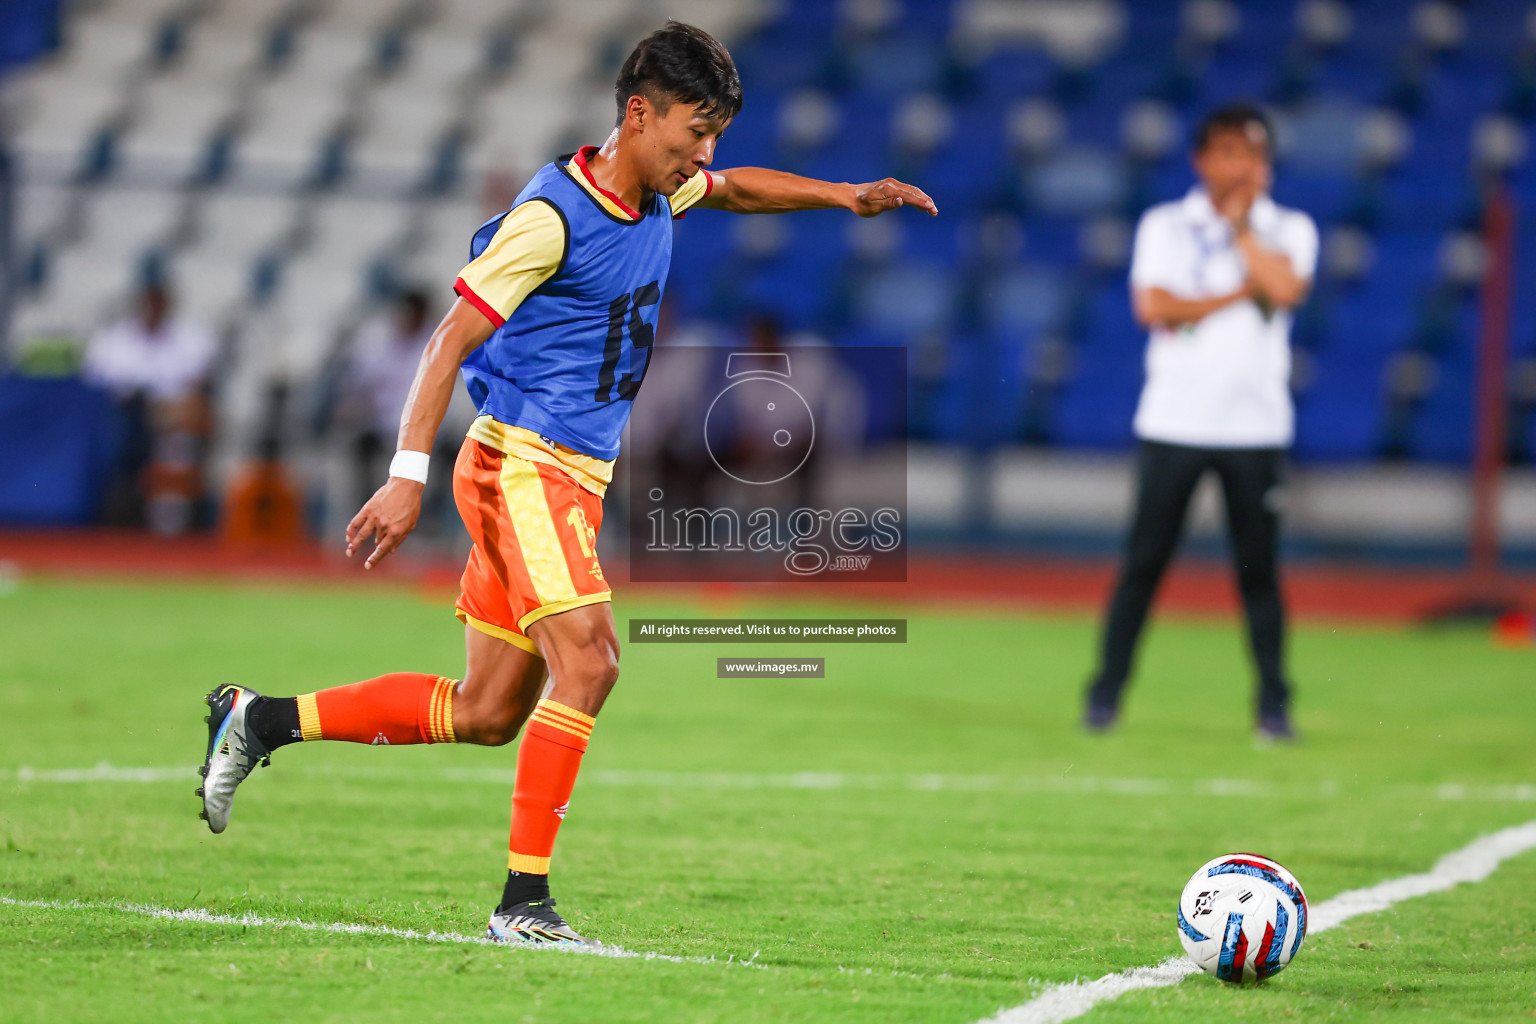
1036, 853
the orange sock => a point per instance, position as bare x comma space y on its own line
547, 762
402, 707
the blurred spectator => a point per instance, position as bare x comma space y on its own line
378, 378
384, 358
157, 368
1214, 277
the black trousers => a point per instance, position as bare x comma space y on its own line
1166, 475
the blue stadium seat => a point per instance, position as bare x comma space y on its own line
1442, 429
1099, 402
1339, 419
1009, 74
1024, 300
1326, 197
907, 299
891, 64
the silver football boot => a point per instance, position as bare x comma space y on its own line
233, 752
534, 923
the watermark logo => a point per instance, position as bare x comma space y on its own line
769, 464
785, 426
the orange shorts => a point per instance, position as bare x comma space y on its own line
535, 534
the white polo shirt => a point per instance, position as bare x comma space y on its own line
169, 363
1223, 382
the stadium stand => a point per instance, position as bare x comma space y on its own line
286, 163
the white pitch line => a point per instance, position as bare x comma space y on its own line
103, 772
922, 783
1472, 863
251, 920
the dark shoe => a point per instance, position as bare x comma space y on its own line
1100, 718
1275, 727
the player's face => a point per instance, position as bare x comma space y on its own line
1232, 159
679, 144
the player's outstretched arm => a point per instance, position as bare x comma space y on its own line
391, 514
761, 190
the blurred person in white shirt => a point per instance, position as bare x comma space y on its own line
157, 366
1214, 277
379, 374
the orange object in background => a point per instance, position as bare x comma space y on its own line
1515, 629
263, 508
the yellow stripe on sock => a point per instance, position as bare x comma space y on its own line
431, 723
555, 724
435, 711
580, 728
527, 865
309, 717
567, 711
449, 685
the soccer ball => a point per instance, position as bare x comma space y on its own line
1242, 917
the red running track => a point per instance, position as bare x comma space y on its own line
1314, 591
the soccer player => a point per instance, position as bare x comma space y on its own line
552, 331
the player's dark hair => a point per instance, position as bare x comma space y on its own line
684, 64
1235, 117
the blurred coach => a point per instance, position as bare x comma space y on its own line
1214, 277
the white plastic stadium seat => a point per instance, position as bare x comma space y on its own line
281, 146
37, 316
473, 18
208, 291
592, 115
403, 124
726, 19
519, 129
169, 136
359, 16
213, 276
520, 123
148, 12
243, 225
121, 224
406, 116
217, 57
40, 212
58, 120
250, 18
440, 251
106, 46
316, 297
440, 61
328, 59
84, 289
293, 114
348, 233
575, 26
96, 274
329, 278
63, 102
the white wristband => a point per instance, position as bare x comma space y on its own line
410, 465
